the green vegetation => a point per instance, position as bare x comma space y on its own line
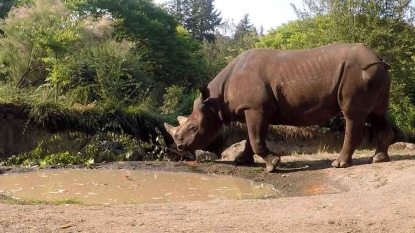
95, 71
9, 200
74, 148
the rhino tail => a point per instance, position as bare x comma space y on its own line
383, 62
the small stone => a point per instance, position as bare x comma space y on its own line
205, 156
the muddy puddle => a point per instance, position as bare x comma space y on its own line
111, 187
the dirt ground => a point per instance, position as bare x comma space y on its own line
312, 197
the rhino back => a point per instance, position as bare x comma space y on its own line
302, 84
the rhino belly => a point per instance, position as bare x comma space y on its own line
304, 108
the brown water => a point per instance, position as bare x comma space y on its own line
126, 186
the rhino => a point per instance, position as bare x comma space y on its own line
293, 87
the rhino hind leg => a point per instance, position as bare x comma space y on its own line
257, 123
352, 139
247, 155
384, 136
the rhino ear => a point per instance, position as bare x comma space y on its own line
170, 129
181, 119
204, 90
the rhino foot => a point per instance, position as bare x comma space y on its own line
243, 159
337, 164
271, 162
380, 158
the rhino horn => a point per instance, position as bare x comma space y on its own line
181, 119
170, 129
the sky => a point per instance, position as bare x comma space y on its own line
266, 13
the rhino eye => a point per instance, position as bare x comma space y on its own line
192, 129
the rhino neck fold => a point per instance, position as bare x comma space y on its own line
217, 110
217, 88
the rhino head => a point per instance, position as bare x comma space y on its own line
199, 129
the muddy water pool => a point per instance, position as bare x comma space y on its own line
111, 187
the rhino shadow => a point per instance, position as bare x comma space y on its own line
314, 165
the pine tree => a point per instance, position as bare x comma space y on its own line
199, 17
261, 31
5, 6
179, 9
244, 27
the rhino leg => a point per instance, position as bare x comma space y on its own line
257, 124
247, 156
384, 136
352, 139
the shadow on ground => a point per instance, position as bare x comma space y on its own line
313, 165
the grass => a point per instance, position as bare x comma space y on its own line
10, 200
122, 132
62, 114
256, 170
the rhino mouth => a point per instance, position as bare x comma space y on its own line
180, 147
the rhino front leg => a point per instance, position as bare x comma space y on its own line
247, 156
257, 124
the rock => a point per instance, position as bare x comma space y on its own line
402, 146
230, 153
204, 156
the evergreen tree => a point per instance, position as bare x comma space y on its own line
261, 31
199, 17
179, 9
5, 6
244, 27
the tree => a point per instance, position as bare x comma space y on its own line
44, 45
219, 53
246, 35
34, 37
171, 55
261, 31
179, 9
5, 6
244, 27
199, 17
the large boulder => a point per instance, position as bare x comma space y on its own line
230, 153
402, 146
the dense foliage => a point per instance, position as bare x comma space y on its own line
111, 59
199, 17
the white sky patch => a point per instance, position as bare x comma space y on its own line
266, 13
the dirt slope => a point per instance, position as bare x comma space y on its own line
362, 198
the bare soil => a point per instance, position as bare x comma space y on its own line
313, 197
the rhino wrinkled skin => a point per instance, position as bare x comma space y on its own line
293, 87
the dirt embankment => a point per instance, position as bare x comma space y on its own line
16, 135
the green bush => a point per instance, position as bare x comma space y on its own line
171, 99
81, 149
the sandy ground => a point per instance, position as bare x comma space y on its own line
314, 198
